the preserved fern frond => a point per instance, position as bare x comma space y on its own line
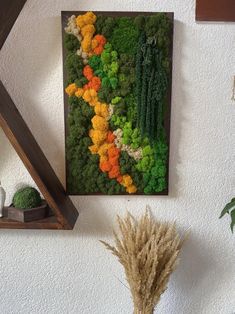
146, 65
139, 73
152, 70
150, 125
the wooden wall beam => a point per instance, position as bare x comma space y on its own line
9, 11
27, 148
35, 161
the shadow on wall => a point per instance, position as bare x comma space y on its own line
93, 219
49, 60
5, 154
38, 60
179, 101
190, 279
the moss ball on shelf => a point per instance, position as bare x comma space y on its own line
27, 197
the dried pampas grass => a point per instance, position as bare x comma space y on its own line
148, 251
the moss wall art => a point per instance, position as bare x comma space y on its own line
117, 80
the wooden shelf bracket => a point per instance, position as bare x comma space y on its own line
23, 141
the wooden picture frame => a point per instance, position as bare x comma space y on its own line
64, 19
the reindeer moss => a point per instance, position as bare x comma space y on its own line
27, 198
125, 36
134, 73
84, 175
71, 43
105, 25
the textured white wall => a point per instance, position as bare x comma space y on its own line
70, 272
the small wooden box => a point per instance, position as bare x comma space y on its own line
26, 215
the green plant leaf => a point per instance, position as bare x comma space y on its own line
227, 208
233, 219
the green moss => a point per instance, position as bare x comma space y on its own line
126, 74
133, 69
95, 63
72, 44
84, 175
27, 198
128, 165
155, 180
105, 25
140, 22
74, 66
106, 67
125, 36
157, 25
147, 162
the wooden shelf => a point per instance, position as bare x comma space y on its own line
47, 223
23, 141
